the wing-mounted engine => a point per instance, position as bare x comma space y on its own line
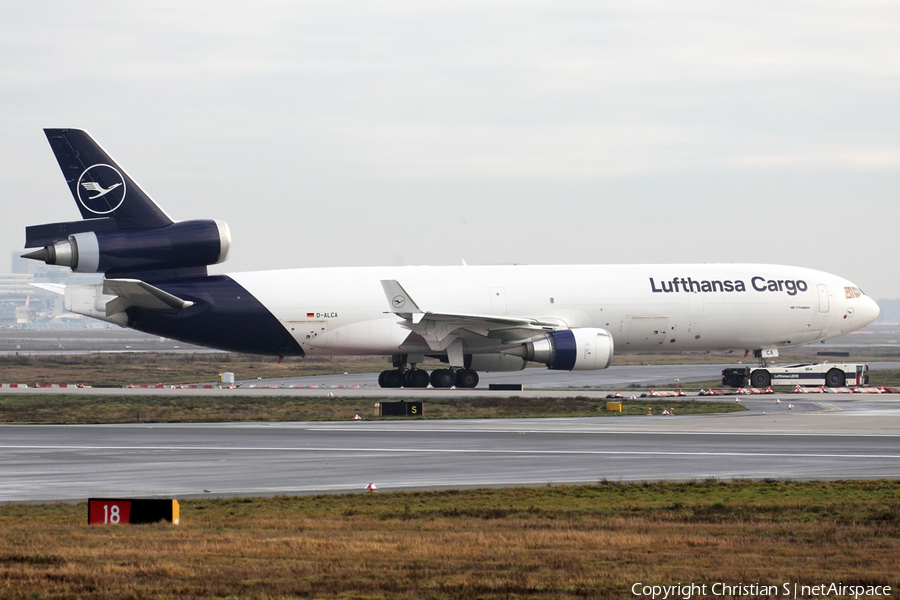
494, 363
546, 340
184, 245
582, 349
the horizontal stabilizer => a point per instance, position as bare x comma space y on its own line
56, 288
133, 293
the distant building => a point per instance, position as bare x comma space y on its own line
22, 303
890, 311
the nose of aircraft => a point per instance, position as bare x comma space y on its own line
868, 310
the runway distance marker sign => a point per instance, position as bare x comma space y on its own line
123, 511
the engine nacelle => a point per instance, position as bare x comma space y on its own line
582, 349
494, 363
177, 246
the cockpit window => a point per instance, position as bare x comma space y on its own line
852, 292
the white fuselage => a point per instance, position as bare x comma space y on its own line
334, 311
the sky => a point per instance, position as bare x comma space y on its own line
398, 132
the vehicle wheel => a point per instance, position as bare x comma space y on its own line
443, 378
835, 378
760, 378
417, 378
381, 378
394, 379
467, 378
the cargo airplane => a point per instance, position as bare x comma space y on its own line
472, 318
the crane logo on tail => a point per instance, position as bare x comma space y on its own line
95, 187
101, 189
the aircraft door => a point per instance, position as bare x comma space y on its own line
646, 332
498, 301
696, 314
823, 298
307, 333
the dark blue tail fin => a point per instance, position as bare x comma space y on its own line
123, 233
101, 188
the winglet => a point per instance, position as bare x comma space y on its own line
400, 302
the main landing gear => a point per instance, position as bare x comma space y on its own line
419, 378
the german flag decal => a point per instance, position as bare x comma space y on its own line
310, 315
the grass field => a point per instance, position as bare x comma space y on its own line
72, 409
551, 542
122, 369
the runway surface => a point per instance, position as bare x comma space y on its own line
542, 378
822, 438
536, 382
620, 377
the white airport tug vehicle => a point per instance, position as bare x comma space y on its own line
804, 374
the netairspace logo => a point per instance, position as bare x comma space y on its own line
784, 590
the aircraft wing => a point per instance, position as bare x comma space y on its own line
132, 293
440, 330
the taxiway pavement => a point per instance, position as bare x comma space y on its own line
823, 437
536, 382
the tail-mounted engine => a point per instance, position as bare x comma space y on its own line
177, 246
583, 349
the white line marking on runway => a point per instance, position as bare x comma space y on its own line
443, 451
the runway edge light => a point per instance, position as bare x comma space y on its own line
124, 511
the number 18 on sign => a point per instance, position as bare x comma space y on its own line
109, 512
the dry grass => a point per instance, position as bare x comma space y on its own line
76, 409
561, 542
122, 369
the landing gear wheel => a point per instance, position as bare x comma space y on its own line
417, 378
760, 378
467, 378
394, 379
443, 378
381, 378
835, 378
